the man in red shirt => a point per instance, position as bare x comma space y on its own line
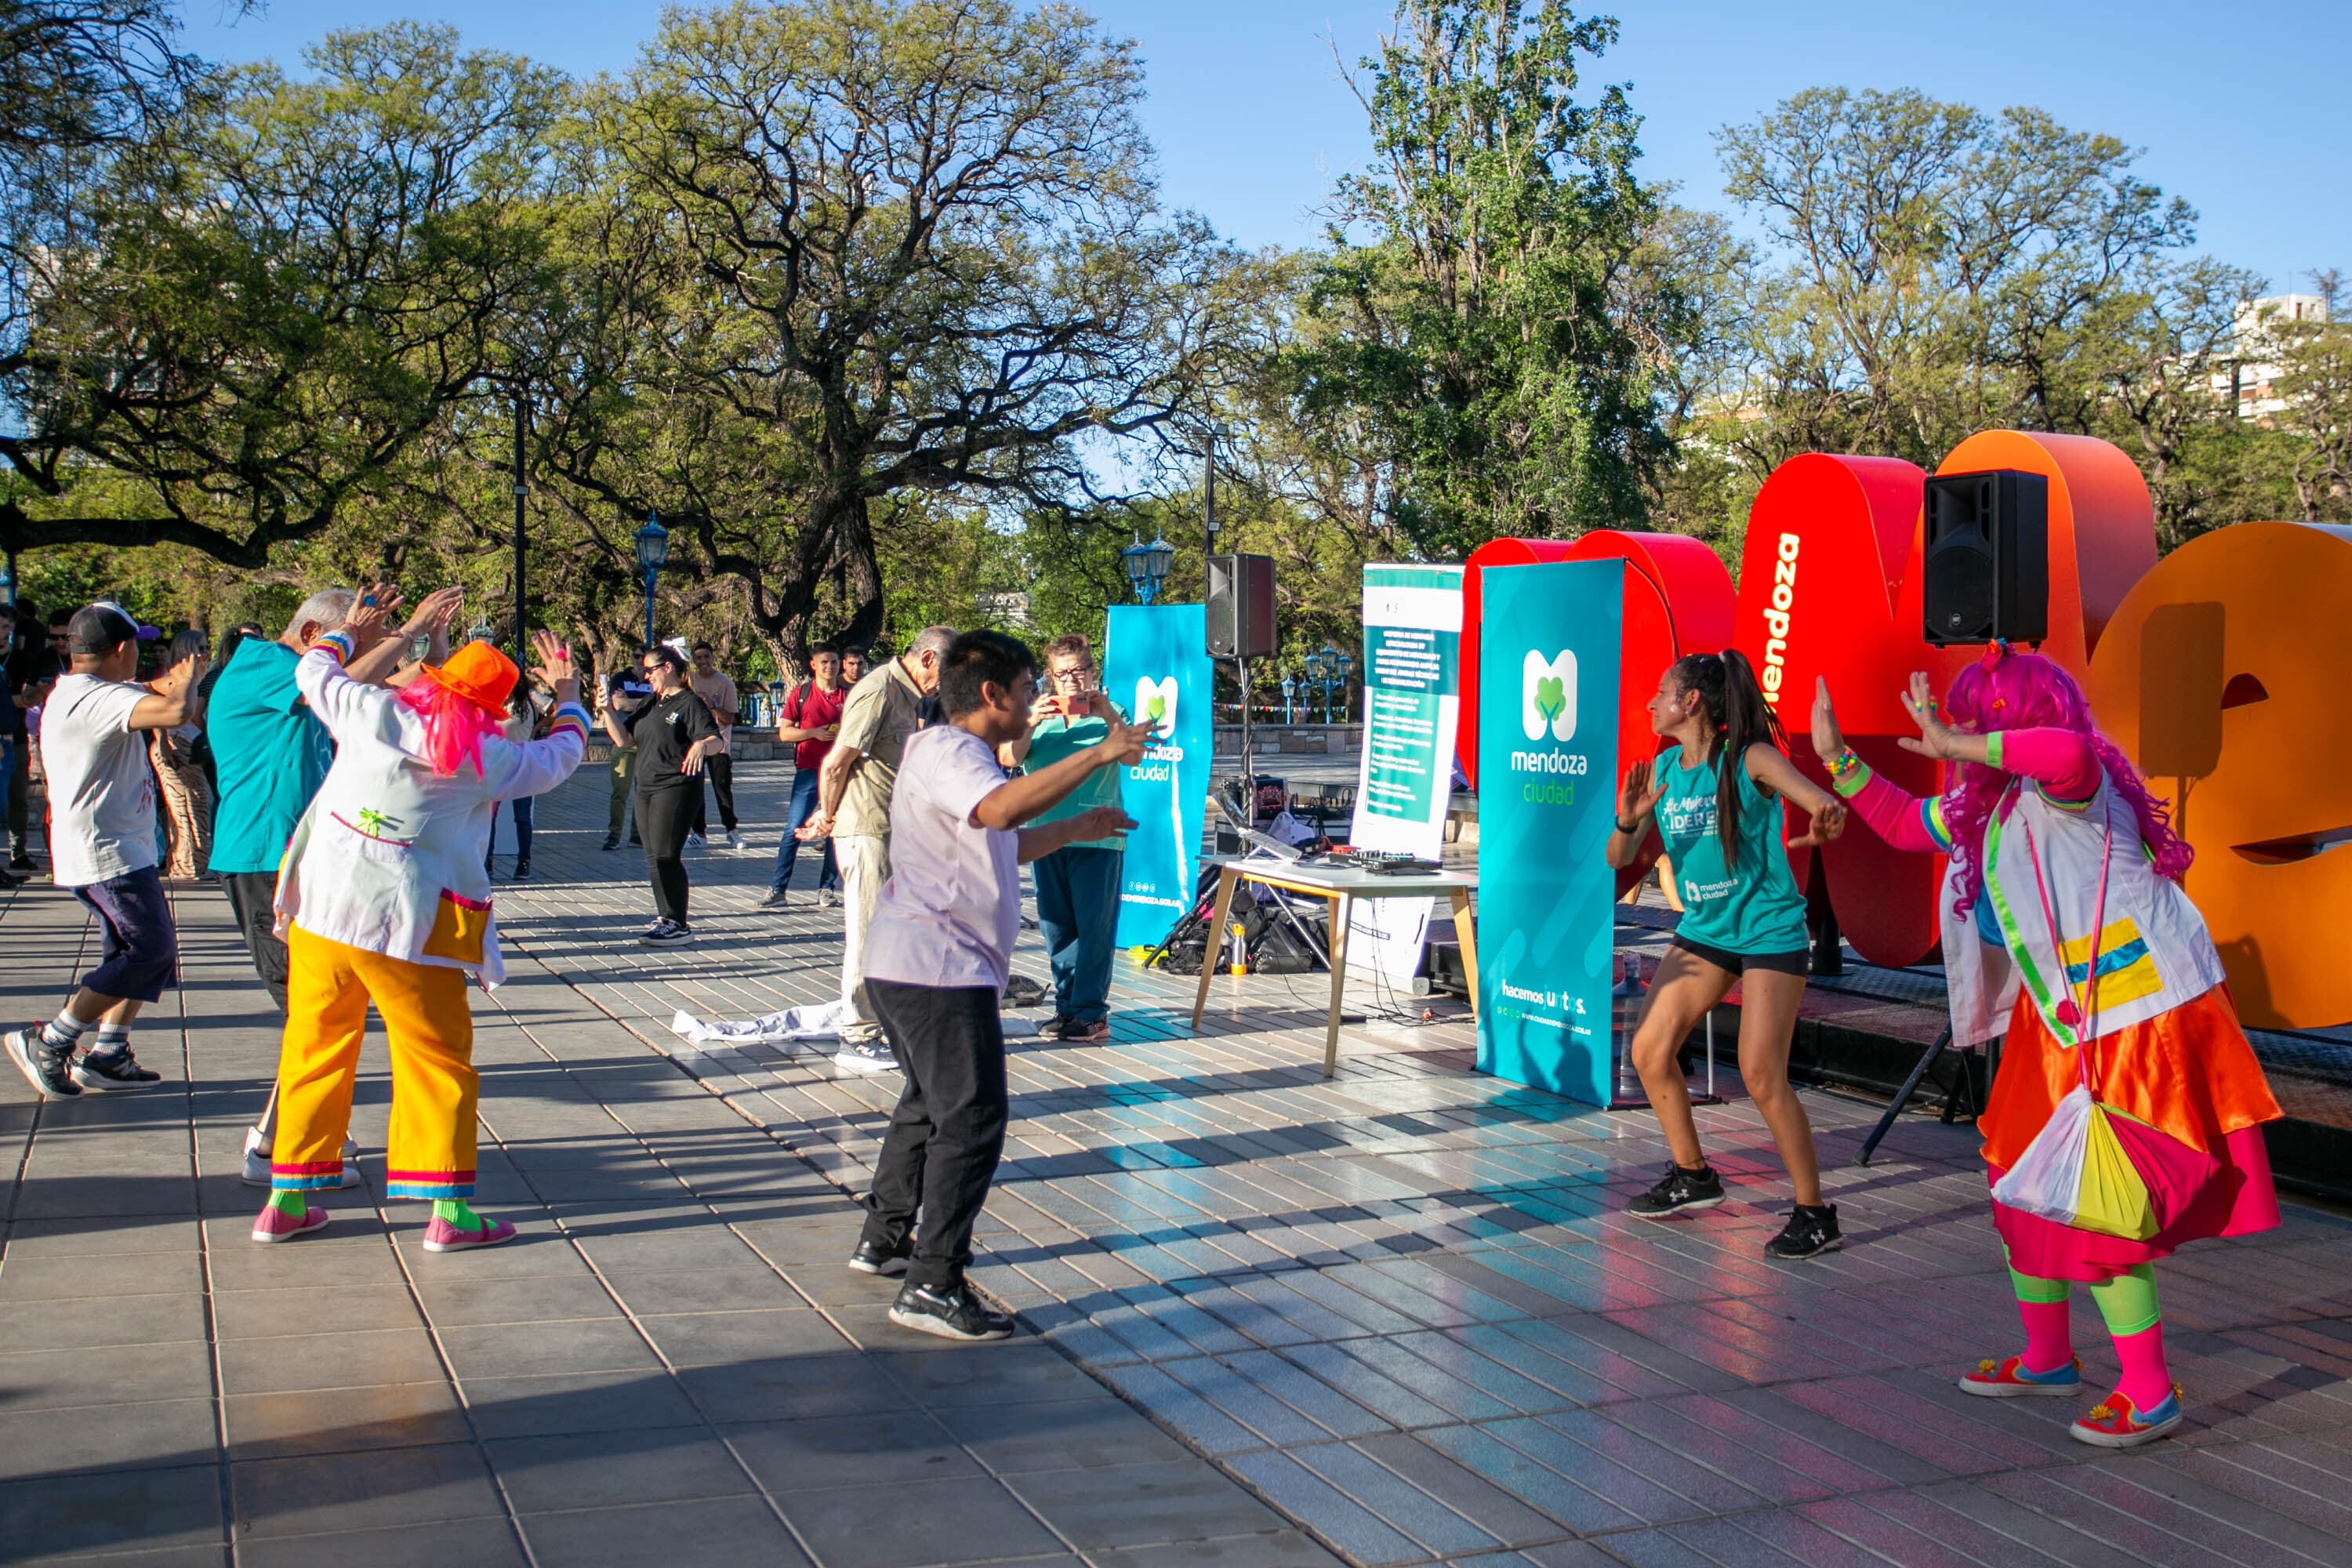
811, 719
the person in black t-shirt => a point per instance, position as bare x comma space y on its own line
673, 735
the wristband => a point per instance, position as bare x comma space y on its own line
1844, 762
1628, 832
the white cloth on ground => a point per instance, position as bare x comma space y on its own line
791, 1025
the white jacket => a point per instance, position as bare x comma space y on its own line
389, 858
2154, 953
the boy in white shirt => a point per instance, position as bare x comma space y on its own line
102, 841
937, 956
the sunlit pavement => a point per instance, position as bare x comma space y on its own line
1395, 1316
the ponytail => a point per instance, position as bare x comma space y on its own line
1738, 717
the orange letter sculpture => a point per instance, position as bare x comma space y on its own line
2216, 676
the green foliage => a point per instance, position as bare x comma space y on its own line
1471, 328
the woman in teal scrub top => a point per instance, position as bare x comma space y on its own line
1743, 922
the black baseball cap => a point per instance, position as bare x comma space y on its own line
101, 629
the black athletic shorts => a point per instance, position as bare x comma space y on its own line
1796, 962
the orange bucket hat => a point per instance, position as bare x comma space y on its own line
481, 674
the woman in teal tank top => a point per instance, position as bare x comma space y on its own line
1713, 798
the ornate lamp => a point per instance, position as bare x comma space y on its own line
652, 552
1146, 566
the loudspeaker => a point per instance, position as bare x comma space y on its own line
1987, 557
1241, 606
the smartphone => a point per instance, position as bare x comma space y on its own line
1079, 707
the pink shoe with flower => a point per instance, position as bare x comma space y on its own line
277, 1224
2010, 1380
2114, 1424
443, 1236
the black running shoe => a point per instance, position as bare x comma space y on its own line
1682, 1192
522, 869
612, 841
45, 1066
1809, 1233
871, 1259
20, 861
667, 934
114, 1070
954, 1313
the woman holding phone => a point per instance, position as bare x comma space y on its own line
1078, 885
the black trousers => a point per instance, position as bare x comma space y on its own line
251, 895
948, 1133
663, 815
721, 771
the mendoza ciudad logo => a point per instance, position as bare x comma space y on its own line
1548, 717
1155, 710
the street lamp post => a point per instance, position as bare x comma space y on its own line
1287, 686
1146, 566
653, 550
522, 489
1346, 687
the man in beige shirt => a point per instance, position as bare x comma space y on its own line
718, 693
853, 807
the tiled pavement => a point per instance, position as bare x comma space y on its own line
1396, 1315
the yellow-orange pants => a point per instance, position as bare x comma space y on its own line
328, 988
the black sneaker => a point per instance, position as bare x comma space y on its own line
776, 899
1682, 1192
1082, 1031
954, 1313
871, 1259
1809, 1233
667, 934
612, 841
20, 861
113, 1069
522, 869
44, 1067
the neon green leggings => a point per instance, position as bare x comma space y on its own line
2126, 1303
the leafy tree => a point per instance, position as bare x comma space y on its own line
1465, 311
273, 303
852, 250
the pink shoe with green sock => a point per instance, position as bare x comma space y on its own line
2047, 1368
286, 1217
457, 1228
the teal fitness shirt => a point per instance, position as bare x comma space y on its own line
1056, 738
271, 755
1752, 906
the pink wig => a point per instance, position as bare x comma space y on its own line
454, 724
2026, 691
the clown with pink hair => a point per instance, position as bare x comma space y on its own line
2066, 929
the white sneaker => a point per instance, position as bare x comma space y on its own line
868, 1058
257, 1161
735, 840
828, 898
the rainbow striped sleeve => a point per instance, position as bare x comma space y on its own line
338, 643
1931, 818
570, 716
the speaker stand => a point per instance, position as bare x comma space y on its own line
1249, 754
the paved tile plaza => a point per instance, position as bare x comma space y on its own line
1268, 1320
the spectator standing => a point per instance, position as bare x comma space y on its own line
675, 737
853, 666
43, 661
717, 694
1078, 885
271, 754
624, 693
809, 721
13, 741
854, 788
102, 846
187, 796
938, 956
527, 709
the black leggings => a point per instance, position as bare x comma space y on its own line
663, 815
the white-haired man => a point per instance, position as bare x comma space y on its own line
854, 788
270, 755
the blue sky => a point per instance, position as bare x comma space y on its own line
2241, 109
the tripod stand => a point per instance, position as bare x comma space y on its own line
1965, 1083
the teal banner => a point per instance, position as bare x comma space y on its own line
1156, 666
1546, 788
